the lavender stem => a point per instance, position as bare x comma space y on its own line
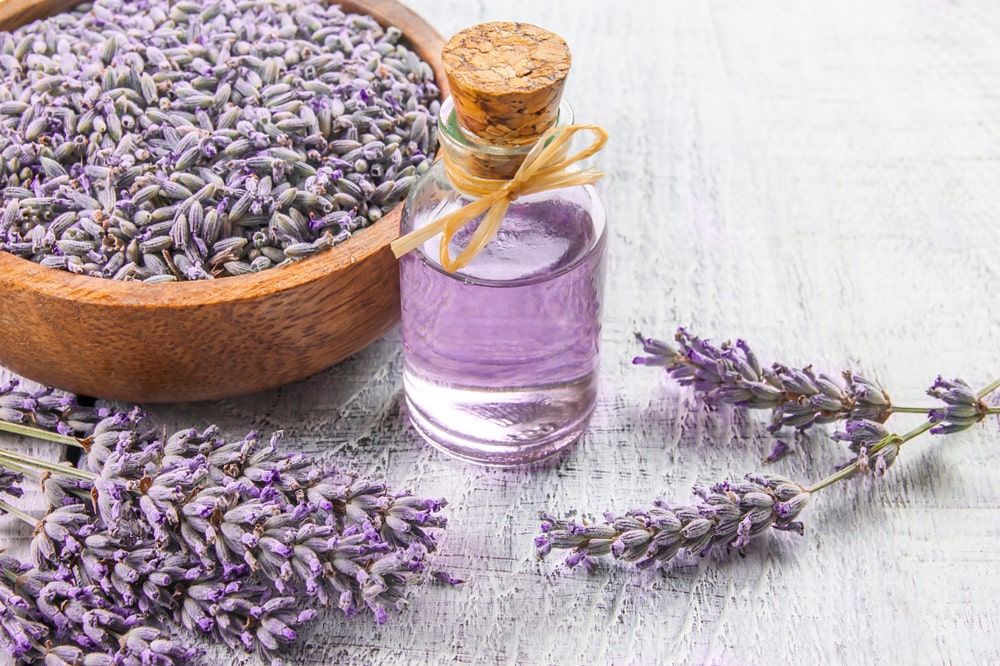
38, 433
22, 469
911, 410
924, 411
17, 513
46, 465
989, 389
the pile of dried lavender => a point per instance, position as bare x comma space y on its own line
730, 514
161, 140
230, 539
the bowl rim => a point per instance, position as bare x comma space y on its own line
86, 289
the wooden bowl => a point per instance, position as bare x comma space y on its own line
212, 338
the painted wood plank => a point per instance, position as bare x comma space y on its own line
818, 178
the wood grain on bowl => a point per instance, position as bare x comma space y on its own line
15, 13
213, 338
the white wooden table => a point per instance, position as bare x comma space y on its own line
819, 178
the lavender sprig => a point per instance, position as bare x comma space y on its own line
228, 538
731, 374
656, 536
727, 514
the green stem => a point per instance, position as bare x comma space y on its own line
926, 410
38, 475
989, 388
919, 430
839, 475
45, 465
898, 440
21, 468
38, 433
17, 513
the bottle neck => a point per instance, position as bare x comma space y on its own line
472, 154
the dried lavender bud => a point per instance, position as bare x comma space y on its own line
59, 535
731, 374
727, 514
778, 451
963, 408
63, 491
875, 446
8, 483
19, 631
127, 135
862, 434
138, 646
48, 409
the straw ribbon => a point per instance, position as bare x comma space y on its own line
548, 166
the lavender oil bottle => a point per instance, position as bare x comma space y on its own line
501, 343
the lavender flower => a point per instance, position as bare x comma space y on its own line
963, 408
875, 446
8, 483
727, 514
48, 409
731, 374
63, 490
59, 534
50, 618
19, 632
140, 646
224, 538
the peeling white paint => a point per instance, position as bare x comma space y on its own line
819, 178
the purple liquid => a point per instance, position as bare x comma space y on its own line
501, 358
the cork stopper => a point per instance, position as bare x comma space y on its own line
506, 80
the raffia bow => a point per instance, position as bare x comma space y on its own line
548, 166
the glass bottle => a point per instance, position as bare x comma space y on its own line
501, 356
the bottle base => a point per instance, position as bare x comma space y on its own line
500, 427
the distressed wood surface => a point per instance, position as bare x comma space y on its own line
818, 178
